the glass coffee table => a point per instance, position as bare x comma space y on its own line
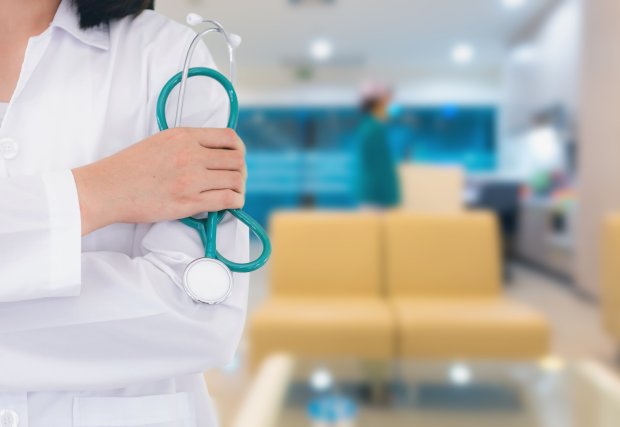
287, 392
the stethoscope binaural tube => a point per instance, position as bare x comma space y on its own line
232, 41
208, 232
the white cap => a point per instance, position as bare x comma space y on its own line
374, 89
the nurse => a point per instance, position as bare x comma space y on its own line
378, 176
95, 327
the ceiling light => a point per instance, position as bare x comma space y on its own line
462, 53
513, 4
321, 49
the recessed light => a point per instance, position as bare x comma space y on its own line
462, 53
321, 49
513, 4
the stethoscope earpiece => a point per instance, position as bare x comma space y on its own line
194, 19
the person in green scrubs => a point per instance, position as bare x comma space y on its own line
379, 186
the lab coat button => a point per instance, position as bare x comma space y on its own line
8, 418
8, 150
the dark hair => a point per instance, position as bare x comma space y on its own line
369, 104
97, 12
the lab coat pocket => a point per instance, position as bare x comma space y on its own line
166, 410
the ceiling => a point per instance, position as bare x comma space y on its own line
389, 33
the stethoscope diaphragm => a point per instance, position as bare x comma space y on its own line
208, 281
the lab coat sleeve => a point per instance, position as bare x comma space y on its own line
40, 237
132, 323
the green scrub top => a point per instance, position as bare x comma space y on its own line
378, 177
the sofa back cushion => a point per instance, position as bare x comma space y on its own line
325, 254
442, 255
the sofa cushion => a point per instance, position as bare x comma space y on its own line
325, 254
352, 327
443, 255
469, 328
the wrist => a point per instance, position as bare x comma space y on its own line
96, 208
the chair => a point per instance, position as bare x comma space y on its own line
503, 198
432, 188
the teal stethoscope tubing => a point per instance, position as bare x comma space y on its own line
207, 228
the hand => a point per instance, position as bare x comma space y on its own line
173, 174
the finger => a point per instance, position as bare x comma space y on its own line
217, 200
223, 180
218, 138
218, 159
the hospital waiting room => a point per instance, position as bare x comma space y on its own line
440, 184
433, 196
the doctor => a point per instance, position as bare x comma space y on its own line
95, 328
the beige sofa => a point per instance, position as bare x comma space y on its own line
379, 286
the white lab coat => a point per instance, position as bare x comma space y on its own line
97, 331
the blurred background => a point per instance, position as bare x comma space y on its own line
440, 179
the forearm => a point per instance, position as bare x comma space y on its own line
170, 175
97, 207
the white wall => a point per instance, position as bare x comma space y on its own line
599, 165
340, 85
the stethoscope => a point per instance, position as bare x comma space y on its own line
209, 280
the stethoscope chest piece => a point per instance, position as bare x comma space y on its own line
208, 281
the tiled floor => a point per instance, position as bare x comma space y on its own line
576, 324
576, 321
